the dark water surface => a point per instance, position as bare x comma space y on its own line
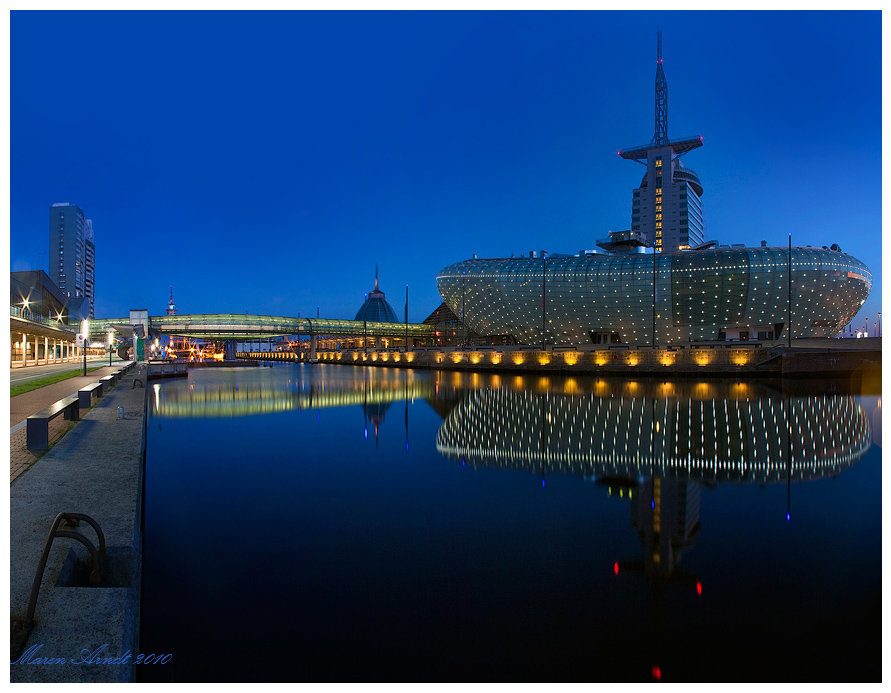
337, 523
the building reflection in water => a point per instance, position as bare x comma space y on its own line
265, 391
657, 444
654, 443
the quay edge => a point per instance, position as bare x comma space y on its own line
806, 358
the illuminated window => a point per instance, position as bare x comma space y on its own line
659, 162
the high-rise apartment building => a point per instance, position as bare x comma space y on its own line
73, 256
666, 209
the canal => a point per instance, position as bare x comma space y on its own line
338, 523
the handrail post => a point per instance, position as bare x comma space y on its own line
97, 576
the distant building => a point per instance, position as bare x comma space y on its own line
34, 292
171, 306
666, 209
72, 264
376, 308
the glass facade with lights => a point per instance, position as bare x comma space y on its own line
733, 294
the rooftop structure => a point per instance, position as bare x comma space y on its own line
376, 308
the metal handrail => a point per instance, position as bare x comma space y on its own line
97, 576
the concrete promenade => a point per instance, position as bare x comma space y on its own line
96, 469
22, 406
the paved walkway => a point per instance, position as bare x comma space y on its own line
95, 469
22, 406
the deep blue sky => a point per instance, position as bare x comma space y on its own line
265, 162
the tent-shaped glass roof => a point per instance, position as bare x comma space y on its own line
376, 308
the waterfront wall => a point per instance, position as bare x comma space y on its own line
827, 357
646, 360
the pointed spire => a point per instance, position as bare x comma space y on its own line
171, 307
375, 278
661, 135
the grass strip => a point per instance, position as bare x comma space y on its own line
49, 380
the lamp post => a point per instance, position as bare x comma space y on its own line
880, 324
109, 346
85, 328
463, 324
406, 317
544, 279
790, 291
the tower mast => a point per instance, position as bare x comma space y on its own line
661, 136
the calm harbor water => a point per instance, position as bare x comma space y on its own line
338, 523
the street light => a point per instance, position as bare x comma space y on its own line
880, 324
85, 328
110, 333
544, 275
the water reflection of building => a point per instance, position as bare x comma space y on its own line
717, 439
656, 444
262, 391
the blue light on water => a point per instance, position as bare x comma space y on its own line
366, 433
542, 483
653, 504
788, 517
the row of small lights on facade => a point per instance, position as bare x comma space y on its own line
506, 293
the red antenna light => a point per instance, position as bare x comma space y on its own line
616, 568
657, 673
699, 588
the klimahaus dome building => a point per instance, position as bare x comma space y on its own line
661, 281
622, 296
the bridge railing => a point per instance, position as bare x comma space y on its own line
17, 312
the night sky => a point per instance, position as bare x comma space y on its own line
266, 162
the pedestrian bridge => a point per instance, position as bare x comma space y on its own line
246, 327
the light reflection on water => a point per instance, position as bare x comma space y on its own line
399, 542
